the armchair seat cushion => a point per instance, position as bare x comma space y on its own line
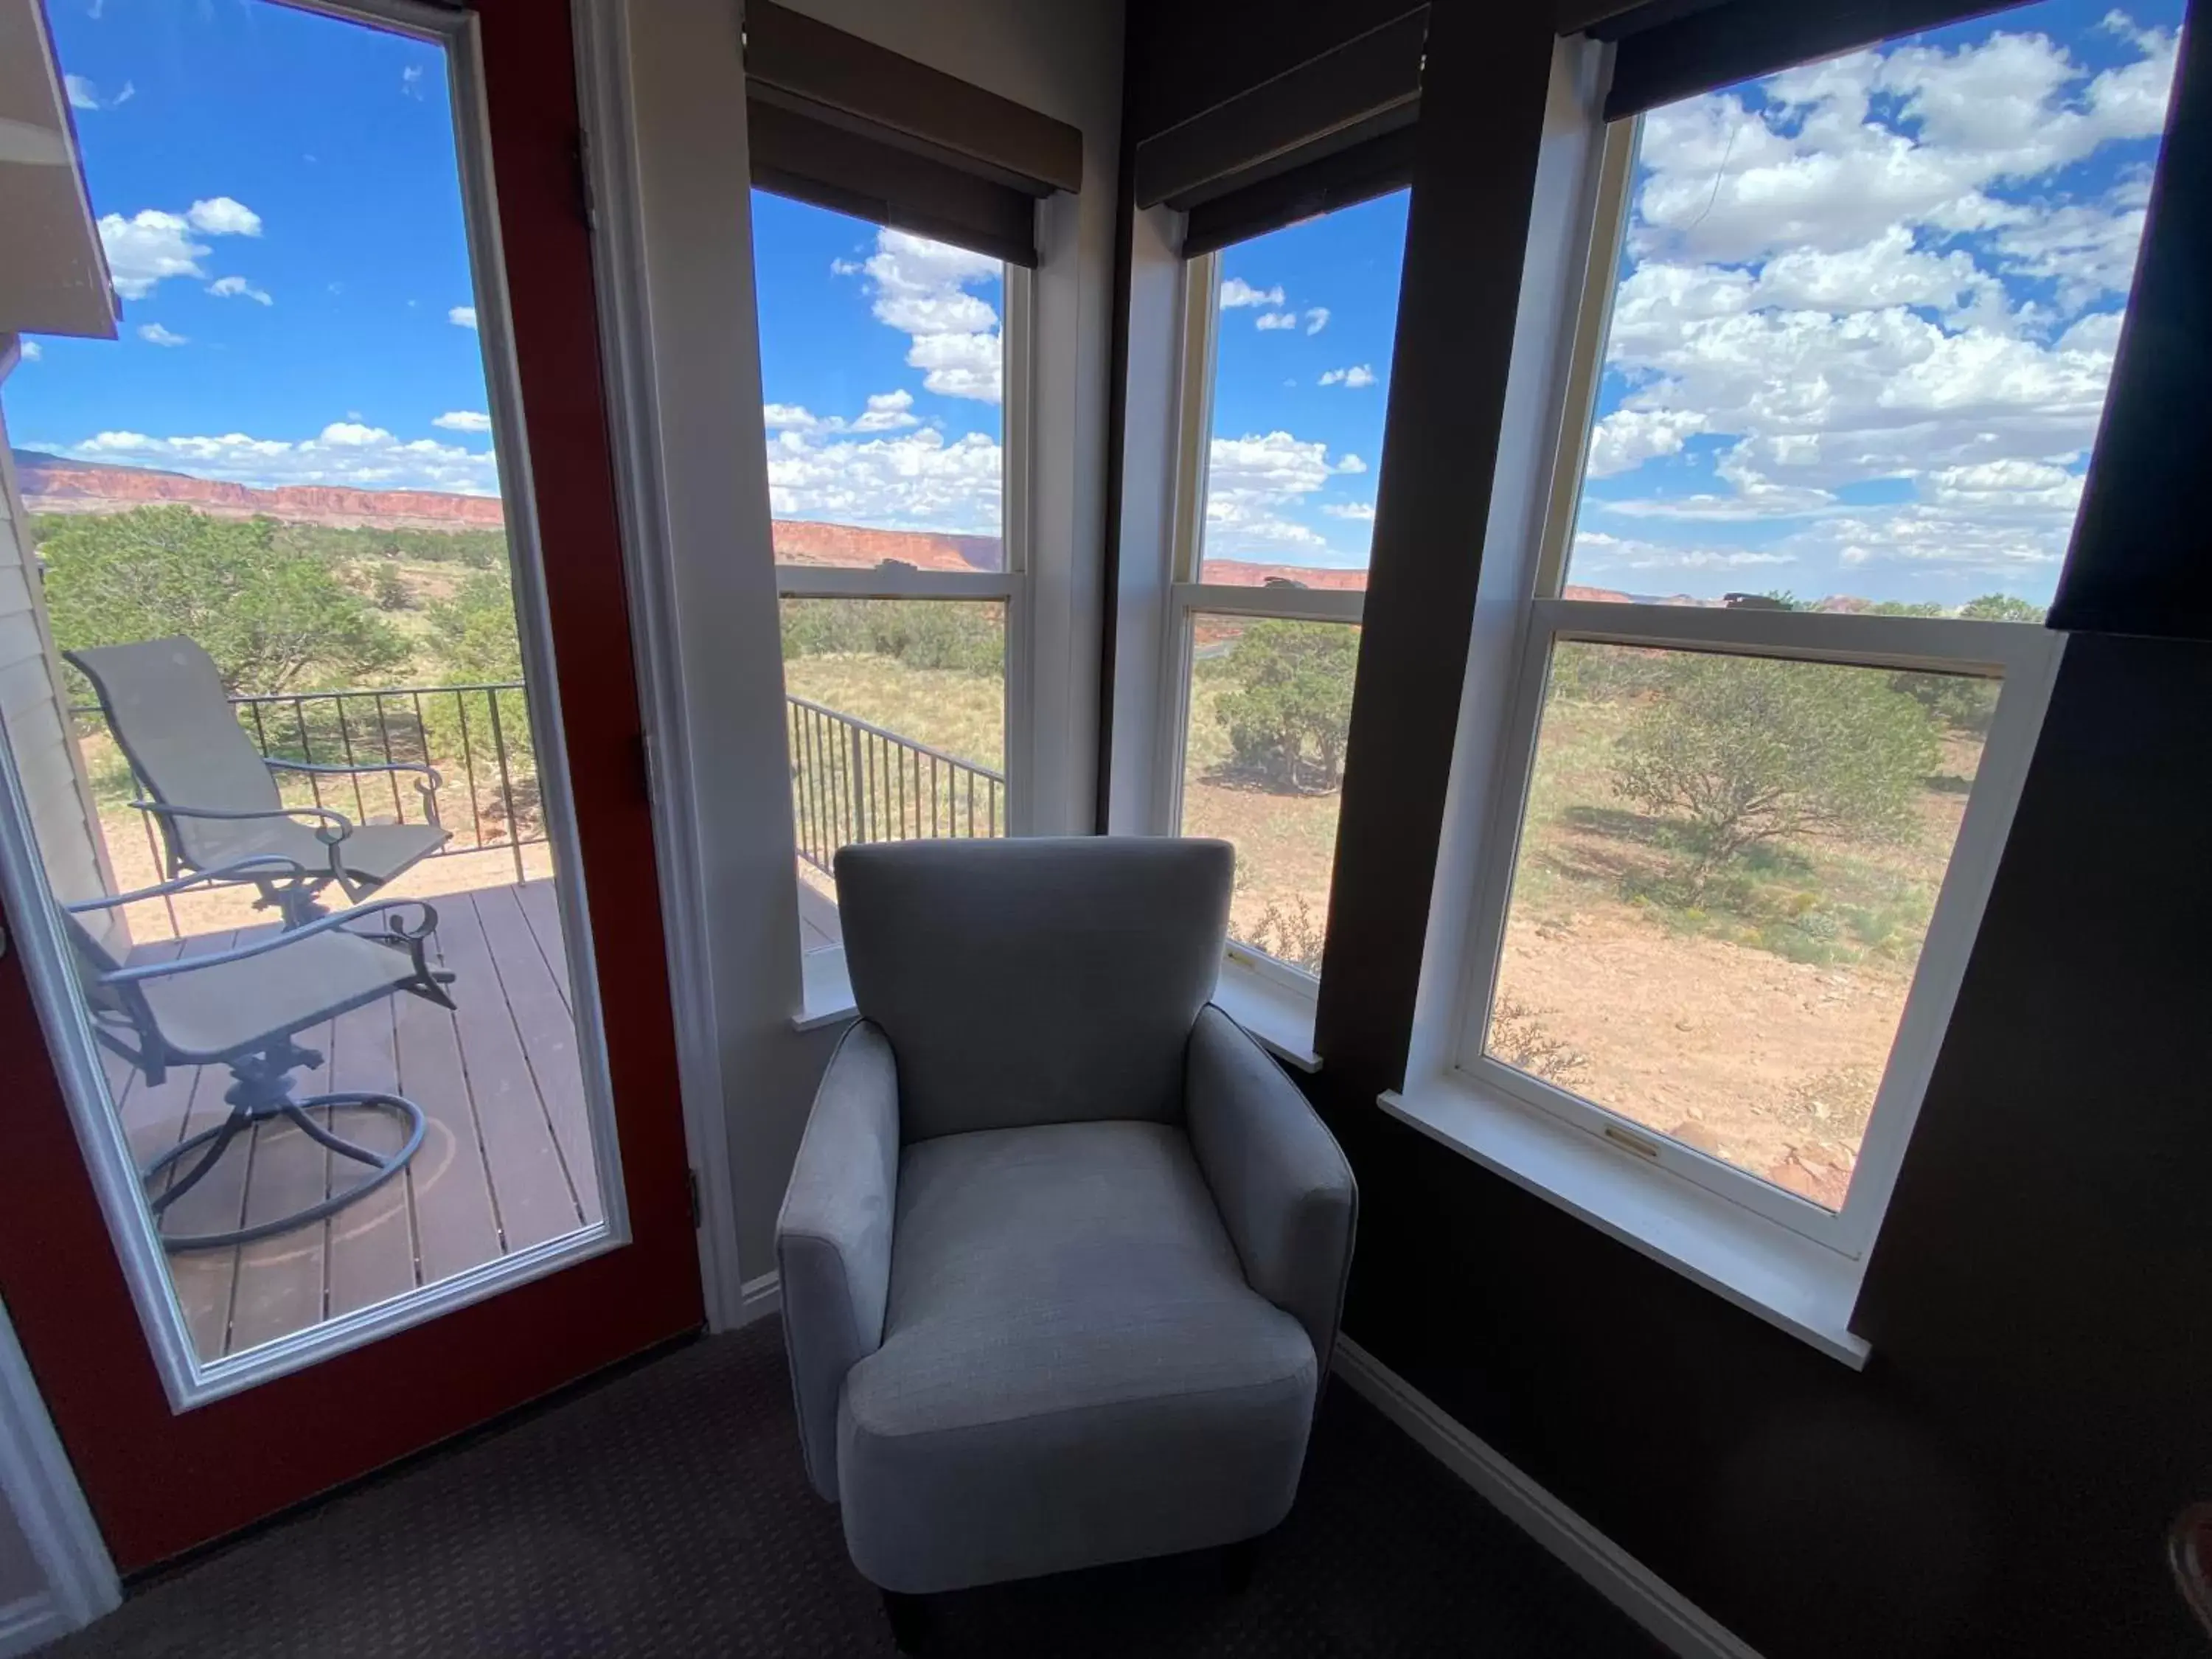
1073, 1368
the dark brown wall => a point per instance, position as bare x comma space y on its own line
2040, 1399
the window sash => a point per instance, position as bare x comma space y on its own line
2022, 657
1012, 586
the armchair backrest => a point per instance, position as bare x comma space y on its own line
165, 704
1034, 981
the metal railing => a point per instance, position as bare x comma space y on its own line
851, 782
475, 735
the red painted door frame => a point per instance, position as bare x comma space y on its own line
161, 1482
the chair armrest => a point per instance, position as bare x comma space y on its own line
323, 832
833, 1241
1281, 1184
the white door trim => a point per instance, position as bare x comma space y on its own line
42, 1492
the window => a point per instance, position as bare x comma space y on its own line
1287, 340
890, 366
1840, 365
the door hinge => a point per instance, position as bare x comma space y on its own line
696, 1220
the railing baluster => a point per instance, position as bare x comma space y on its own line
468, 767
384, 733
506, 782
345, 735
307, 749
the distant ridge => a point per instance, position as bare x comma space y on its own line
51, 483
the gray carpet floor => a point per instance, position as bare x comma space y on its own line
666, 1512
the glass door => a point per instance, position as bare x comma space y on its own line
319, 713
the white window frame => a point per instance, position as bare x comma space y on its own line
1272, 984
827, 995
1783, 1257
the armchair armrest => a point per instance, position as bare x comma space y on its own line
833, 1241
426, 785
1281, 1184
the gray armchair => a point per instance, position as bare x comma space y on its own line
1063, 1253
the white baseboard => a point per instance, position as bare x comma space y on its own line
758, 1298
31, 1622
1674, 1622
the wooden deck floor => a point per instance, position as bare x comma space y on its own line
505, 1162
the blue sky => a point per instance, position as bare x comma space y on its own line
1867, 312
1302, 378
283, 213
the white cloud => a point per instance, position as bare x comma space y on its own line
1358, 511
146, 247
462, 316
84, 94
345, 453
915, 481
1252, 483
155, 334
231, 287
1276, 319
464, 420
1597, 553
887, 411
1317, 319
921, 288
220, 215
32, 351
1360, 375
1629, 437
153, 245
1881, 277
1237, 292
411, 81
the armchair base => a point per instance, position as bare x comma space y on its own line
261, 1093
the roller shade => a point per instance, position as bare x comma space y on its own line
1321, 133
1676, 49
845, 124
1340, 179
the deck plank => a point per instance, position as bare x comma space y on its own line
548, 1035
371, 1242
456, 1224
541, 906
528, 1183
281, 1280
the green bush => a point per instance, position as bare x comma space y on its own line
1744, 750
474, 632
389, 589
273, 619
964, 637
1290, 709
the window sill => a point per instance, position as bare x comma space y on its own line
1280, 1019
1763, 1267
826, 995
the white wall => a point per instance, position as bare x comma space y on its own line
686, 89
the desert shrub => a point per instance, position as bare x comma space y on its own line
389, 589
475, 549
273, 619
967, 638
1519, 1037
1289, 708
1743, 751
1603, 673
1293, 935
2001, 607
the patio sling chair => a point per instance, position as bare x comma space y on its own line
244, 1008
215, 794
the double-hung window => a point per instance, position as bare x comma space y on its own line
1286, 343
1777, 666
893, 377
